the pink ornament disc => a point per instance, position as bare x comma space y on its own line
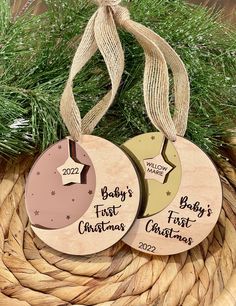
84, 200
50, 204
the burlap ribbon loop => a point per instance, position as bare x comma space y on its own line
101, 33
107, 2
159, 54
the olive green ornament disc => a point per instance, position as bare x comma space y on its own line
158, 160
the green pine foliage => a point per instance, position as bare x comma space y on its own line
36, 53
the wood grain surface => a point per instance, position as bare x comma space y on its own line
228, 7
143, 147
109, 209
18, 6
32, 274
190, 216
50, 204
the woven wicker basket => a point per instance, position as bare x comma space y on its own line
31, 273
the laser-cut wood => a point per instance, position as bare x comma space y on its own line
114, 200
190, 216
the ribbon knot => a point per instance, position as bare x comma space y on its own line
101, 34
108, 2
121, 14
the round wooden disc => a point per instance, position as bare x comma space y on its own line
49, 203
143, 147
191, 215
90, 216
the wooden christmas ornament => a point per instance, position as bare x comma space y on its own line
55, 199
193, 207
72, 170
159, 167
179, 212
91, 210
82, 196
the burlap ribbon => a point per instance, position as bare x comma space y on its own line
101, 33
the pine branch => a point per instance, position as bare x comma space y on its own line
36, 53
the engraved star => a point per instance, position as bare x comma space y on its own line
153, 138
90, 192
156, 168
53, 193
36, 212
71, 171
38, 173
68, 217
59, 147
168, 193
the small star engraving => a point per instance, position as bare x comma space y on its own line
157, 168
153, 138
59, 147
53, 193
51, 220
38, 173
90, 192
71, 171
68, 217
73, 200
36, 213
168, 193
